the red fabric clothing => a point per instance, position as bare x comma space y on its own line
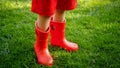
48, 7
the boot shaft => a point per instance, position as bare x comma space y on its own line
57, 30
41, 38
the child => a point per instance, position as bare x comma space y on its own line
51, 17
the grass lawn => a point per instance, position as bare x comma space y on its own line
94, 25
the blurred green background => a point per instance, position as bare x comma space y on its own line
94, 25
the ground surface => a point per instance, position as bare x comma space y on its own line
94, 25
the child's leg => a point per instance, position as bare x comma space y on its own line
59, 16
58, 25
43, 22
44, 9
58, 32
41, 44
62, 6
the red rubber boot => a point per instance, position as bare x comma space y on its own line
58, 37
41, 48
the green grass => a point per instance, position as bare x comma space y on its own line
94, 25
